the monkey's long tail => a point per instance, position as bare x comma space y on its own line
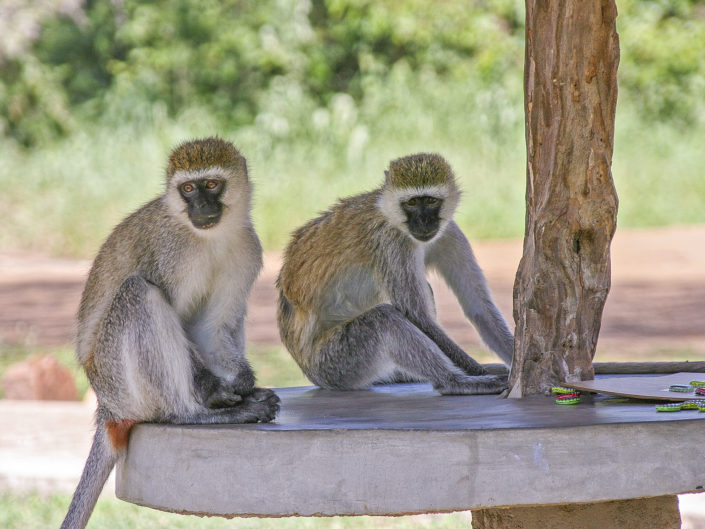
109, 442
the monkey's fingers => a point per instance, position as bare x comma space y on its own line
223, 399
271, 413
264, 406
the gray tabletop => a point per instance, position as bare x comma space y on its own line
418, 407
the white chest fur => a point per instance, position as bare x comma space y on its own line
218, 277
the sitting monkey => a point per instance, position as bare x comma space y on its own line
161, 321
355, 308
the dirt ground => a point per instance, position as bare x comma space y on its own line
656, 307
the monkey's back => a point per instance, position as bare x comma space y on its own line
127, 249
327, 246
330, 272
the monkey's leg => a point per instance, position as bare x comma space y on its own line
382, 341
143, 343
219, 347
142, 365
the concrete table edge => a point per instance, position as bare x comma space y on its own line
298, 469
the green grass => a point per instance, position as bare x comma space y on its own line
274, 367
34, 512
272, 364
65, 197
658, 172
75, 190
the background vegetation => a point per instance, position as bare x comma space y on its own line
319, 95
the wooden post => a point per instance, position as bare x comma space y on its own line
570, 88
641, 513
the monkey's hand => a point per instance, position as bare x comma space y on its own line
477, 385
222, 397
262, 405
224, 394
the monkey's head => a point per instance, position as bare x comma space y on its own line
207, 179
419, 195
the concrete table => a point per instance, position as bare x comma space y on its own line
404, 449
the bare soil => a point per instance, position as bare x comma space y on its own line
656, 307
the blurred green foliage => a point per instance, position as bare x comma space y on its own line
319, 95
112, 61
662, 68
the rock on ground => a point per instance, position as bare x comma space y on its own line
39, 378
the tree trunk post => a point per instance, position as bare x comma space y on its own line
570, 89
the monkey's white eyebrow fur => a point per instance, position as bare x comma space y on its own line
182, 176
438, 191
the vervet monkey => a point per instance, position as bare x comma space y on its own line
355, 308
161, 321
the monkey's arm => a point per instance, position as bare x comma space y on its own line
222, 373
218, 331
407, 291
453, 257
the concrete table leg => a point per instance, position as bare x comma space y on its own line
643, 513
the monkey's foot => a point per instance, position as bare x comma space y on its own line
261, 405
229, 394
478, 385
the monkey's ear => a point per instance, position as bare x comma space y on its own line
386, 173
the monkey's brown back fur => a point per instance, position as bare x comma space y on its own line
328, 244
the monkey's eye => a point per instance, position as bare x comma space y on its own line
413, 202
431, 201
188, 187
212, 184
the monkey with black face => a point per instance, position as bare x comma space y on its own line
354, 305
161, 320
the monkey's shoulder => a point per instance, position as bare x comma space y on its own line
348, 224
352, 235
145, 226
141, 243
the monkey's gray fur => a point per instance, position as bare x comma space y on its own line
161, 321
354, 305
